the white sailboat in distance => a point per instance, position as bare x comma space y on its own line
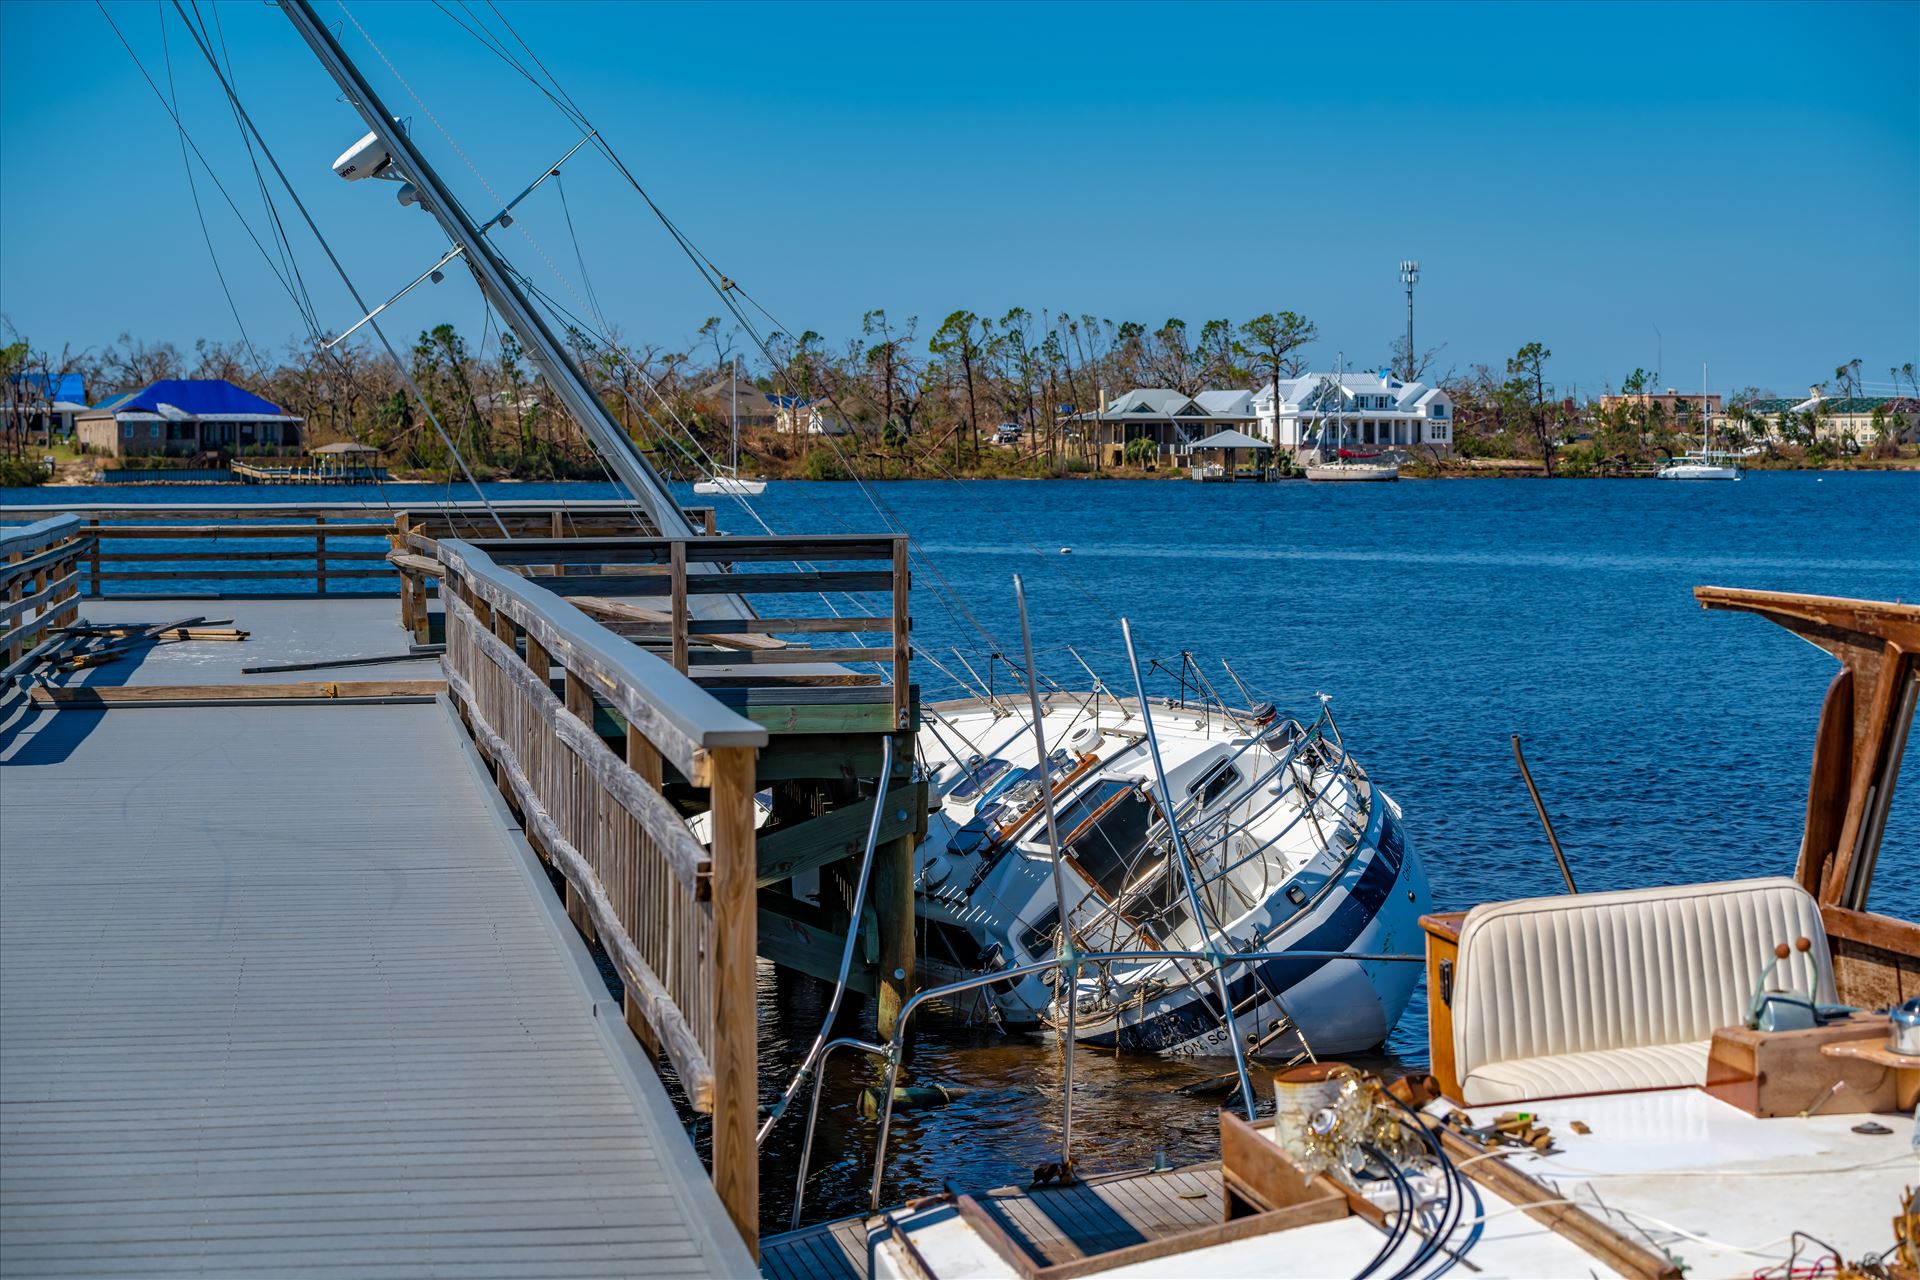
729, 481
1709, 463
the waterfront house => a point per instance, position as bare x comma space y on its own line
1863, 419
186, 416
41, 406
1380, 410
799, 416
1172, 420
724, 396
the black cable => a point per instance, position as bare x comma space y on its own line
1397, 1233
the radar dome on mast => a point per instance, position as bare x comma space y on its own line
367, 158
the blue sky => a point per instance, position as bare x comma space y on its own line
1627, 183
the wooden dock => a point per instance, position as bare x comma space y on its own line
282, 987
298, 969
1055, 1226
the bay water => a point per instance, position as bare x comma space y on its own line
1670, 744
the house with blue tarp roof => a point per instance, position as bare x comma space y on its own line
44, 404
188, 416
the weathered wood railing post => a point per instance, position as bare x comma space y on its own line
320, 554
902, 634
93, 561
736, 1085
679, 569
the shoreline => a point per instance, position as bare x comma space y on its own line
1490, 469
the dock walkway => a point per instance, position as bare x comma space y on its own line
283, 989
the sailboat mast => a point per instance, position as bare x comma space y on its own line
1706, 416
733, 412
496, 281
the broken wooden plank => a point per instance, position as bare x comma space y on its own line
102, 697
278, 667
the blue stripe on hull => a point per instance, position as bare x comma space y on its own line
1348, 920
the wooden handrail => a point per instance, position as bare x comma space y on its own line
683, 721
678, 920
40, 534
39, 585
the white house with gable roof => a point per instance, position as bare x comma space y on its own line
1380, 412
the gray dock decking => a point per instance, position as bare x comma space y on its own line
282, 990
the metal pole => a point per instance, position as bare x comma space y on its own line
1541, 809
922, 996
846, 950
1068, 979
496, 280
1186, 876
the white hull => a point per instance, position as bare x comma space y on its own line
1697, 471
1343, 879
731, 486
1353, 471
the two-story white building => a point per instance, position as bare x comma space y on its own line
1377, 411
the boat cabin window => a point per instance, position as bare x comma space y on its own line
1005, 799
979, 775
1108, 833
1213, 784
1037, 938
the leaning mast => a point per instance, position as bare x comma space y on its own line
496, 281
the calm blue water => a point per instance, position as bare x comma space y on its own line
1671, 744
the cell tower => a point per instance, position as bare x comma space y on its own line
1409, 276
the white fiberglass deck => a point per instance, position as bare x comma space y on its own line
281, 991
1687, 1175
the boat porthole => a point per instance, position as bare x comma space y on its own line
1409, 895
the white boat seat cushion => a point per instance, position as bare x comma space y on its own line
1608, 991
1655, 1066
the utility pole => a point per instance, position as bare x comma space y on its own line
1409, 276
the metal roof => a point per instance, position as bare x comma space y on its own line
195, 398
1230, 440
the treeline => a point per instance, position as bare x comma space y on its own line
907, 399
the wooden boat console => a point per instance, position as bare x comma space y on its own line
1790, 1073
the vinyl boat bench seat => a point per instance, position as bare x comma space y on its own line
1602, 992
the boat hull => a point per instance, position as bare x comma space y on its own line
1695, 471
731, 487
1343, 1006
1362, 474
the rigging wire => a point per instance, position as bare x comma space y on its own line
353, 292
282, 241
195, 146
193, 189
593, 300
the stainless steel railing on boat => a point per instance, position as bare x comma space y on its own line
892, 1052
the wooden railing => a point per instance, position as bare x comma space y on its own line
303, 548
814, 578
39, 582
678, 918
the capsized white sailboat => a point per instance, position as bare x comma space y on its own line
1289, 843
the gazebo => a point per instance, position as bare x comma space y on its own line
1217, 457
348, 459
